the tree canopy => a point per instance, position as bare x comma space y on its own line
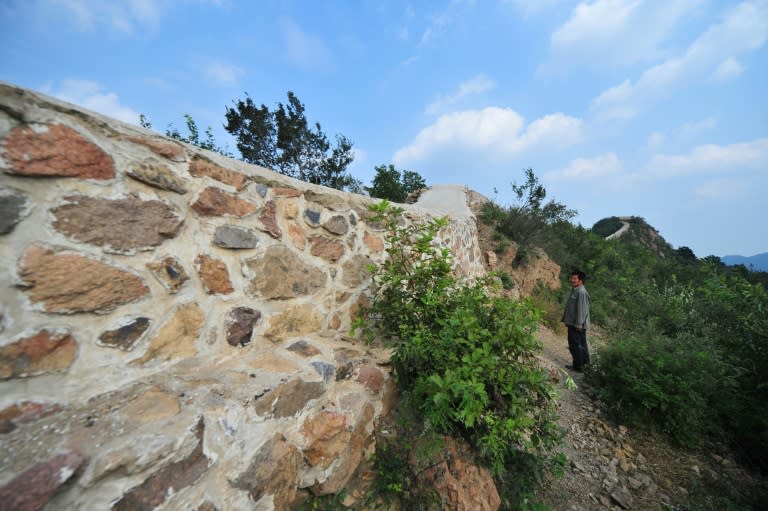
389, 183
283, 140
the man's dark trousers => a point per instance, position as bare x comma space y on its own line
577, 345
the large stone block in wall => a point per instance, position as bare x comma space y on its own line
216, 202
66, 282
281, 274
201, 166
176, 338
300, 320
273, 471
154, 173
55, 151
33, 488
43, 353
118, 225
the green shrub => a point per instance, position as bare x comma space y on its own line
666, 382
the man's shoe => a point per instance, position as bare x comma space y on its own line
572, 368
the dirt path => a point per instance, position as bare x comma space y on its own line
613, 467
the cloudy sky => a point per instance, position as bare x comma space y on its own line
651, 108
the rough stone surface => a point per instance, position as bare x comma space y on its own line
355, 271
32, 489
312, 217
281, 274
273, 471
45, 352
25, 412
214, 274
201, 166
230, 236
304, 348
240, 324
13, 205
350, 458
337, 224
170, 273
156, 174
298, 236
286, 192
125, 336
268, 220
331, 250
371, 377
176, 339
165, 148
324, 369
118, 225
460, 484
66, 282
216, 202
300, 320
327, 438
176, 476
373, 242
55, 151
289, 398
152, 406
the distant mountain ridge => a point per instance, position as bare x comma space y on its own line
756, 262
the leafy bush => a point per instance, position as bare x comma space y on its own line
464, 358
659, 380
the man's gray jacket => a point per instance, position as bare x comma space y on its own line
577, 308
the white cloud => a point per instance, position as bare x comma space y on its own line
617, 32
712, 158
89, 94
223, 73
727, 69
743, 28
607, 164
305, 50
477, 85
493, 130
655, 139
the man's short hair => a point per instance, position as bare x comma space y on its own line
582, 276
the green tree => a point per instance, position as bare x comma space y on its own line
284, 141
390, 184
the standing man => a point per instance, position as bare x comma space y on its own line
576, 318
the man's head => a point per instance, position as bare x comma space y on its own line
577, 278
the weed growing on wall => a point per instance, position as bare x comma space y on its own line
464, 356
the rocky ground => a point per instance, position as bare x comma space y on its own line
610, 466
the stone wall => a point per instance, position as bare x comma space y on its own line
173, 323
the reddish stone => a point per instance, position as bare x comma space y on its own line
287, 192
373, 242
170, 479
58, 151
216, 202
371, 377
268, 219
32, 489
25, 412
214, 275
200, 167
298, 236
67, 282
240, 325
327, 438
118, 225
331, 250
169, 150
44, 352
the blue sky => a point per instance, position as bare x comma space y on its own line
657, 109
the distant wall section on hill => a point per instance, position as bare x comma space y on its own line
173, 323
